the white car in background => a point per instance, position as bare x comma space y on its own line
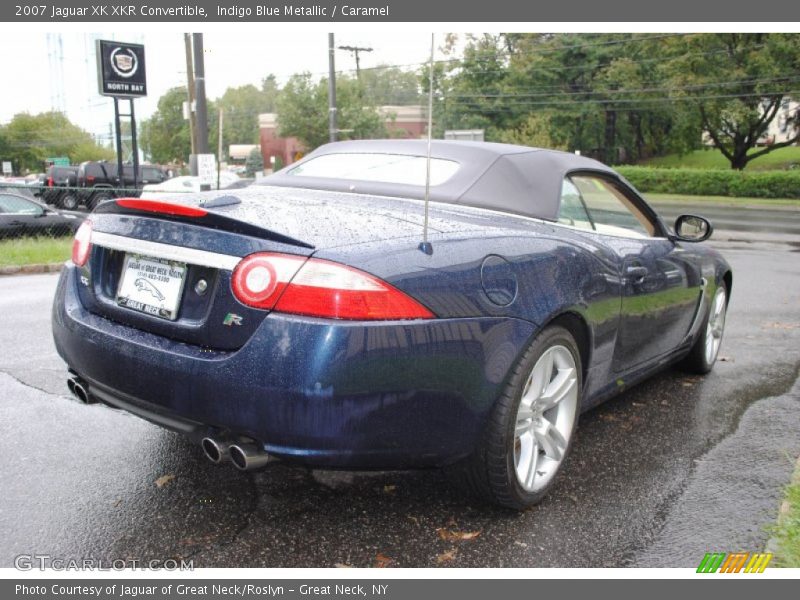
190, 184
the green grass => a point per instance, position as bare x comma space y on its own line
723, 200
787, 530
33, 251
711, 158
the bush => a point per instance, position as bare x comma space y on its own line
254, 163
707, 182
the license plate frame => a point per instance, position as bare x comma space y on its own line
147, 285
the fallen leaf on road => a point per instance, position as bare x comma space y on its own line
448, 556
164, 480
779, 325
450, 535
382, 561
725, 359
389, 489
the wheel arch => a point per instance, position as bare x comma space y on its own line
580, 332
727, 278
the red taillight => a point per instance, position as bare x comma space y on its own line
259, 279
82, 245
164, 208
320, 288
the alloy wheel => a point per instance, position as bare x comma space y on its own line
545, 418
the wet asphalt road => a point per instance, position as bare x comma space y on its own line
674, 467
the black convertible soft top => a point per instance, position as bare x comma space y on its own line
503, 177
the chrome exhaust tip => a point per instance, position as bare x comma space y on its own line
216, 450
247, 457
80, 390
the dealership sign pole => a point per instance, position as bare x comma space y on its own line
121, 74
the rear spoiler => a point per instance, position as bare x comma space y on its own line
194, 215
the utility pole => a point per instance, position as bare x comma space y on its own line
332, 127
187, 40
354, 50
201, 122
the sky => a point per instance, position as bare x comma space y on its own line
231, 59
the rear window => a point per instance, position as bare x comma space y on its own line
386, 168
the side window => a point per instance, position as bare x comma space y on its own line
18, 206
573, 211
610, 210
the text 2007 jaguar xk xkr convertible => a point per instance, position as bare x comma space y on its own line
306, 320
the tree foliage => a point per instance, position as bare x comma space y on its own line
386, 85
27, 140
302, 109
242, 105
255, 163
622, 97
758, 70
166, 136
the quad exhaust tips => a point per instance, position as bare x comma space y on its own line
80, 390
216, 450
248, 456
245, 455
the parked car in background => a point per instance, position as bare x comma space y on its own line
329, 317
99, 181
61, 187
22, 216
190, 183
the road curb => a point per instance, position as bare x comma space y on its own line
31, 269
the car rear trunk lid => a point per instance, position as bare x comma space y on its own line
171, 275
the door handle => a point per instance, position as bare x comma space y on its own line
636, 273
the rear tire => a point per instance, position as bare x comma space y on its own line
99, 198
703, 355
531, 427
69, 201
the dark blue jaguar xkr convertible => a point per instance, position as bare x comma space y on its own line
327, 318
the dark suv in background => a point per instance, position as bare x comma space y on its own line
100, 181
60, 187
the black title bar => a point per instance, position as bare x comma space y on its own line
452, 11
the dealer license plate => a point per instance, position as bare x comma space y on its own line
152, 285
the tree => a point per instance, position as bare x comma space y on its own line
165, 136
302, 109
242, 105
270, 90
737, 83
384, 85
254, 163
576, 92
27, 140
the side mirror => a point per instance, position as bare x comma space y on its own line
691, 228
